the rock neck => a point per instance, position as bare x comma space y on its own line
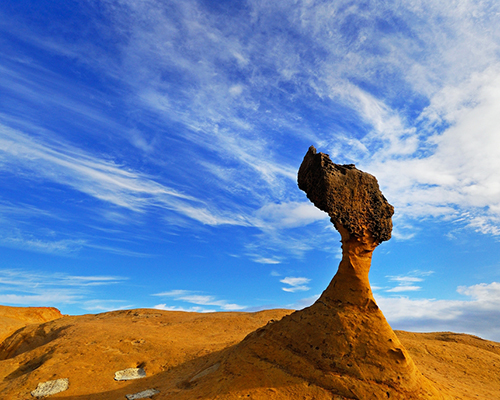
350, 285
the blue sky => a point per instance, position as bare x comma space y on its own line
149, 152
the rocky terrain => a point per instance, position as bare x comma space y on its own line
173, 348
340, 348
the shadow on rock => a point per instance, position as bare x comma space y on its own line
29, 338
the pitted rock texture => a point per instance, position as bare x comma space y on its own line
361, 214
351, 197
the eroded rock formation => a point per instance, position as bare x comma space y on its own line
361, 214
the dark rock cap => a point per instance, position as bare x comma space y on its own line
351, 197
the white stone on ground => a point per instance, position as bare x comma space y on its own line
51, 387
129, 374
142, 395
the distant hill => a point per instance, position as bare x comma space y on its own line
13, 318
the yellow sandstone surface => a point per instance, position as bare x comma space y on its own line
174, 347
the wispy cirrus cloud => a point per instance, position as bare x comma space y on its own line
102, 179
61, 247
407, 152
404, 288
263, 260
50, 298
289, 215
241, 98
37, 279
98, 305
197, 309
28, 287
408, 282
304, 302
295, 284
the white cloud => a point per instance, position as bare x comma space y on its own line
480, 315
289, 215
219, 109
100, 178
295, 281
48, 298
65, 246
73, 280
303, 303
203, 300
487, 294
25, 287
404, 288
277, 244
406, 283
236, 90
173, 293
266, 260
403, 308
189, 309
486, 224
458, 178
296, 284
15, 234
405, 279
25, 279
98, 305
210, 301
293, 289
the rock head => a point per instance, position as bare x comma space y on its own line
350, 197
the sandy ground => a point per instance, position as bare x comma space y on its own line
180, 350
